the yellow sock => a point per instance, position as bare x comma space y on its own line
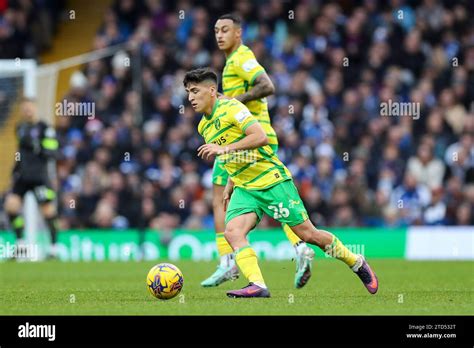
223, 247
339, 251
292, 237
247, 261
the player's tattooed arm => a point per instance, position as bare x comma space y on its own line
263, 87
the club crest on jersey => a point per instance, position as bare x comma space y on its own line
217, 124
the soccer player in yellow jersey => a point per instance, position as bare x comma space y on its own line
245, 79
259, 183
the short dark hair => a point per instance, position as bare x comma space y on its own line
234, 17
199, 75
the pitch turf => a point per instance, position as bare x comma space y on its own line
406, 288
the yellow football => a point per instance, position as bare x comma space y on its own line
164, 281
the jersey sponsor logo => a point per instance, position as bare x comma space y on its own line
242, 115
249, 65
220, 141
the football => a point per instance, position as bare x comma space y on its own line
164, 281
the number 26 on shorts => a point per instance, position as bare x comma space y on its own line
280, 211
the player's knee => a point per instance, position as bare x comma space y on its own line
12, 204
233, 234
229, 234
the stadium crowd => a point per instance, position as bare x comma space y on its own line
27, 27
333, 66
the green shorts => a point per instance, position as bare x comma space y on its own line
219, 174
281, 202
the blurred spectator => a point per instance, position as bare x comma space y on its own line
460, 159
435, 212
200, 217
464, 215
411, 198
425, 168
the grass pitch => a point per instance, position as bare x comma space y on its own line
406, 288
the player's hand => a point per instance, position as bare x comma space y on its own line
209, 150
226, 195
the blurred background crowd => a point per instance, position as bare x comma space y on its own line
27, 27
332, 63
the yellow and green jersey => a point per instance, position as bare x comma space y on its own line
255, 169
240, 71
